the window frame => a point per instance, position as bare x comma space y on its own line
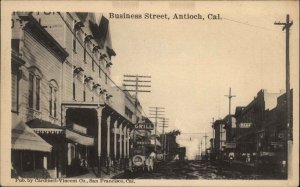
34, 94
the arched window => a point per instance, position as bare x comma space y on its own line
53, 89
35, 77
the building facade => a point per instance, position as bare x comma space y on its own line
63, 94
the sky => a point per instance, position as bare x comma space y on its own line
193, 63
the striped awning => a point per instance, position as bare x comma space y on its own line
24, 138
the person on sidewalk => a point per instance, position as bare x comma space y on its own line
151, 158
231, 157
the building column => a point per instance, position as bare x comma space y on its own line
121, 143
115, 143
128, 149
61, 156
125, 139
128, 138
125, 146
108, 145
99, 116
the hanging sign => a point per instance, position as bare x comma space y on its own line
144, 126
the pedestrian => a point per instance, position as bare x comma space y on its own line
151, 157
231, 157
147, 163
248, 158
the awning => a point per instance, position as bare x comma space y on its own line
42, 126
24, 138
79, 138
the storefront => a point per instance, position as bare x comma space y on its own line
29, 153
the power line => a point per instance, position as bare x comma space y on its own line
251, 25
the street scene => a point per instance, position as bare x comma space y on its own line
147, 95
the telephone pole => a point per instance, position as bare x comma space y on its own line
201, 150
156, 112
134, 81
205, 136
164, 124
213, 135
230, 97
289, 139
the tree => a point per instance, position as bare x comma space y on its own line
172, 144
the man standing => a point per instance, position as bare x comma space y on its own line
151, 158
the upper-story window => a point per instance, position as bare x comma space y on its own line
128, 113
53, 89
35, 77
84, 52
99, 71
74, 44
77, 27
15, 77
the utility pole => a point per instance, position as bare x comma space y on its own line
230, 97
289, 139
134, 81
164, 124
156, 112
201, 150
213, 135
205, 136
229, 115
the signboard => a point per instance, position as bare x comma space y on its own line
143, 142
231, 145
144, 126
245, 125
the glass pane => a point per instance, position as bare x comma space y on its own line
37, 106
30, 98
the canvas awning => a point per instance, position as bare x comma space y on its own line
79, 138
24, 138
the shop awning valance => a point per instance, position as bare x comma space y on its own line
42, 126
24, 138
79, 138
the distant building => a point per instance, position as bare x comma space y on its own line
250, 119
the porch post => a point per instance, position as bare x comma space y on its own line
125, 139
121, 152
125, 147
128, 138
115, 143
108, 145
99, 115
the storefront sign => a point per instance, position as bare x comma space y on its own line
143, 142
144, 126
245, 125
231, 145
